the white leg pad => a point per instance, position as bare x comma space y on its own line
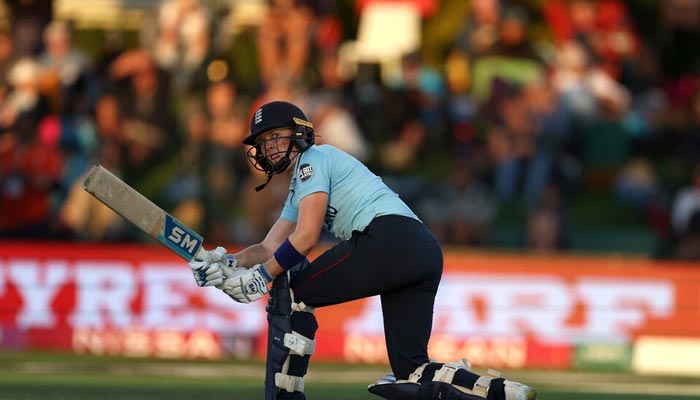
289, 383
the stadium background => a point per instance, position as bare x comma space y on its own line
551, 145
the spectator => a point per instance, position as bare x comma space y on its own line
28, 19
479, 34
83, 217
677, 37
688, 247
182, 42
460, 105
586, 88
25, 105
333, 83
335, 125
30, 161
637, 185
688, 140
227, 113
331, 106
511, 59
554, 135
72, 86
212, 165
686, 203
546, 223
542, 231
284, 40
513, 147
461, 209
7, 59
227, 168
602, 27
598, 105
415, 112
29, 172
148, 133
70, 68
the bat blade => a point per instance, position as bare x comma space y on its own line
142, 212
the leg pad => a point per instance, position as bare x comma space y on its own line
291, 330
404, 390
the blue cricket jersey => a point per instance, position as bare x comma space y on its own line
355, 195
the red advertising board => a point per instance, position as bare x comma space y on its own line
499, 310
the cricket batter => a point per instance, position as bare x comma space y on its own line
385, 250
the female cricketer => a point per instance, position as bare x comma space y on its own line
384, 250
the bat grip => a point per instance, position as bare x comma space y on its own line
210, 256
202, 255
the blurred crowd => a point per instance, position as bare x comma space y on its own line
536, 102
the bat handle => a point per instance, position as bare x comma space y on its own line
202, 255
210, 256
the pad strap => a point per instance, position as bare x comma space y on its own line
301, 307
481, 387
483, 384
299, 344
494, 373
289, 383
417, 374
447, 372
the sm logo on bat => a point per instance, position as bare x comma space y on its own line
180, 238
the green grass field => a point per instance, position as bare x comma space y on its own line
65, 377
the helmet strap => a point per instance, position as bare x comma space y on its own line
261, 187
281, 165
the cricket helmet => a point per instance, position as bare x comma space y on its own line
275, 115
281, 114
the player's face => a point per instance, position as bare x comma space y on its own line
274, 144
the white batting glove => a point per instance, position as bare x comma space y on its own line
247, 285
212, 268
228, 265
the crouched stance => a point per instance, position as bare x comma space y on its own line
384, 250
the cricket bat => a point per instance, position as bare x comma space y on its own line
140, 211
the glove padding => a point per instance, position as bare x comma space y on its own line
247, 285
213, 267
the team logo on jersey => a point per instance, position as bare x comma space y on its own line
305, 172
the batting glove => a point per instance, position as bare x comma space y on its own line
213, 267
247, 285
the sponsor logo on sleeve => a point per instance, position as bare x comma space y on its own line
305, 172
